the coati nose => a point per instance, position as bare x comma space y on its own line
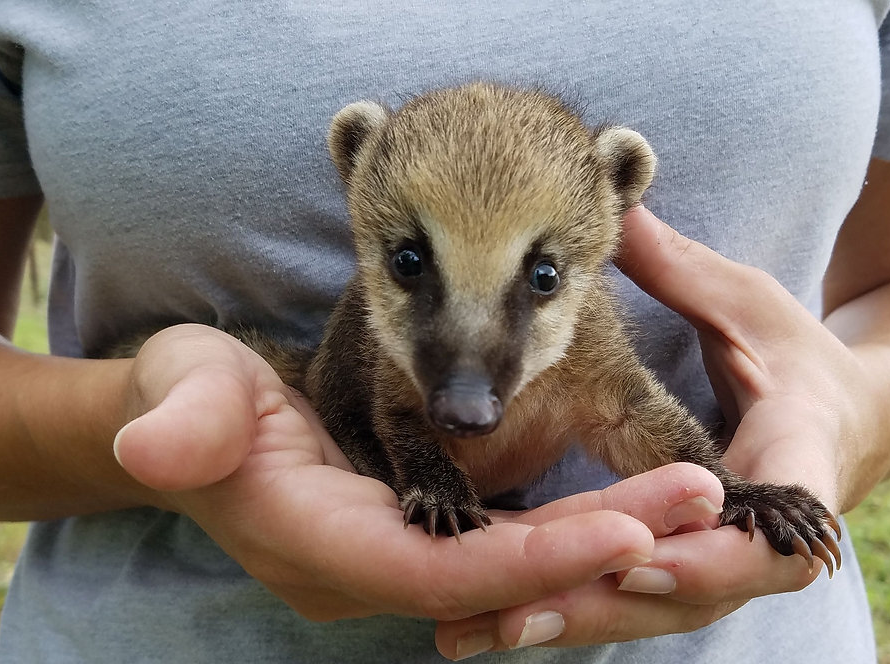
465, 409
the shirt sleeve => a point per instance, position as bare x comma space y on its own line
17, 177
881, 148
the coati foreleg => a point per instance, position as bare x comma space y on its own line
645, 427
432, 489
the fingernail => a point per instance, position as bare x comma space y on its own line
473, 643
117, 440
625, 561
689, 511
649, 580
541, 627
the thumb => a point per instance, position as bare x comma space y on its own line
198, 434
683, 274
712, 292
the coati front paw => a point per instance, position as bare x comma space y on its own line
450, 515
793, 520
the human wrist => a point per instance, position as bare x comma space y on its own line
57, 447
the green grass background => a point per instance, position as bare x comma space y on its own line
869, 523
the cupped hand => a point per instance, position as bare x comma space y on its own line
221, 439
685, 586
798, 402
797, 406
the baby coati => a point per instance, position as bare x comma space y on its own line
479, 337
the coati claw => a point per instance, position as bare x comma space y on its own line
801, 548
821, 548
442, 518
820, 551
832, 546
432, 521
412, 509
793, 520
480, 520
453, 524
829, 518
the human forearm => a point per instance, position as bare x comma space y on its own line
58, 419
856, 301
58, 416
863, 325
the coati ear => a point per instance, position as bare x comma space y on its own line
350, 129
629, 161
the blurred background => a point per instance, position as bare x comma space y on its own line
869, 523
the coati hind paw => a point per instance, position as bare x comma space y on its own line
793, 520
443, 516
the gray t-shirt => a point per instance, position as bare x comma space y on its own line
180, 147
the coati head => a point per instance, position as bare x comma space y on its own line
482, 218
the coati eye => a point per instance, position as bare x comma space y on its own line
544, 278
407, 263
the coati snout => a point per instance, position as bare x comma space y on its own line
465, 406
478, 235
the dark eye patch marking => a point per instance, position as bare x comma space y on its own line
522, 298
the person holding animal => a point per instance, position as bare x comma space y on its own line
211, 512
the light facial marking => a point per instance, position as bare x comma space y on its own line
472, 264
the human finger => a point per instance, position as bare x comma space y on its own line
406, 571
199, 433
691, 568
694, 281
666, 498
596, 612
684, 587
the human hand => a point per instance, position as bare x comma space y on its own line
797, 401
685, 585
222, 440
797, 404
